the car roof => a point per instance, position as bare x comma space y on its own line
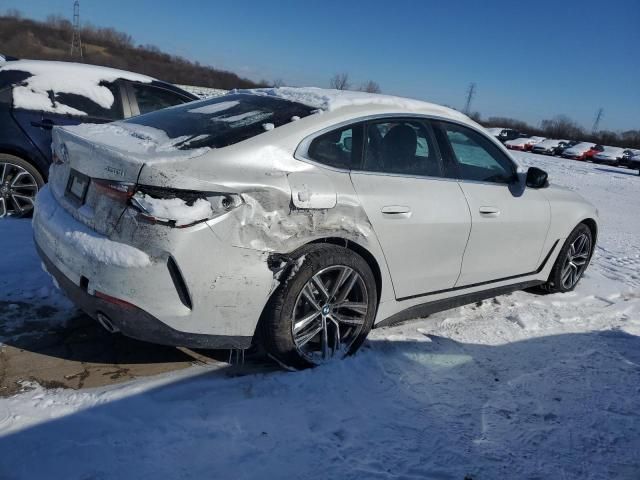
41, 67
343, 100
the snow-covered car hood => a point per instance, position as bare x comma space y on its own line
610, 152
579, 149
518, 142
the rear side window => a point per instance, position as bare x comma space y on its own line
91, 108
477, 157
405, 147
223, 121
339, 148
152, 98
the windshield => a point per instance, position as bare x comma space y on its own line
223, 121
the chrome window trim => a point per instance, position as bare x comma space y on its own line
301, 152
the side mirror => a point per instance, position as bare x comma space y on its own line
537, 178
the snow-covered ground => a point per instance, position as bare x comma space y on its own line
521, 386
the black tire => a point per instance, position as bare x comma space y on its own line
277, 323
556, 283
9, 164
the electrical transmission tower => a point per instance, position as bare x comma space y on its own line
596, 123
76, 42
470, 93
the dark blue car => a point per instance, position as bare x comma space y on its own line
37, 95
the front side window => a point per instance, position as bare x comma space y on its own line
152, 98
478, 158
401, 146
338, 148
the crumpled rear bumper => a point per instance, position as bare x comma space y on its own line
135, 322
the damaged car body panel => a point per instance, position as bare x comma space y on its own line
197, 217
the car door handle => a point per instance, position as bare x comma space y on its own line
46, 124
396, 210
489, 211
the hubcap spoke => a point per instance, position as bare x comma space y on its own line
357, 307
307, 291
348, 320
321, 288
302, 323
304, 339
3, 207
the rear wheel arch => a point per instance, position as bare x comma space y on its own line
22, 155
358, 250
593, 226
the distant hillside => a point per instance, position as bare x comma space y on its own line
51, 40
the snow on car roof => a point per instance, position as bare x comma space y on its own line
65, 77
329, 100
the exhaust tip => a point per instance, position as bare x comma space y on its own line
106, 323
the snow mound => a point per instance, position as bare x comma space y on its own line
65, 77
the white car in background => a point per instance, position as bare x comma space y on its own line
523, 144
297, 219
609, 155
579, 151
547, 146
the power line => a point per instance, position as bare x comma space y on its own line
76, 42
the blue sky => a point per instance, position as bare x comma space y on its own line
530, 60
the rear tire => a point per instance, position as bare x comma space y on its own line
572, 261
323, 309
19, 184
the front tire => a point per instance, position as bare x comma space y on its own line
324, 309
572, 261
19, 184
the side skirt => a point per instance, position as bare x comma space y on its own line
425, 309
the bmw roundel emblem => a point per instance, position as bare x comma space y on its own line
64, 153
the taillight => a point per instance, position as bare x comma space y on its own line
121, 191
181, 208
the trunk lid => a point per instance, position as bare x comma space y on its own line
81, 173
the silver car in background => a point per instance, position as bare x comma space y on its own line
297, 219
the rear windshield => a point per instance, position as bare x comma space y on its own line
223, 121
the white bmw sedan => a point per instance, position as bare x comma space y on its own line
297, 219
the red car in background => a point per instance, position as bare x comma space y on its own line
589, 154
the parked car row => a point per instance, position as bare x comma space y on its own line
571, 149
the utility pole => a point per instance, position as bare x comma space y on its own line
76, 42
470, 93
596, 123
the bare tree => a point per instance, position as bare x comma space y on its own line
14, 13
370, 87
340, 81
277, 83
